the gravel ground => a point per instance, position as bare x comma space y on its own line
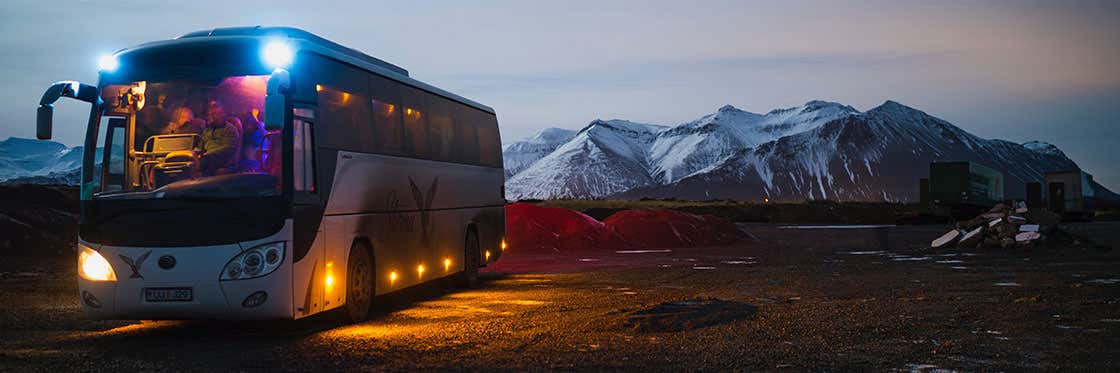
802, 299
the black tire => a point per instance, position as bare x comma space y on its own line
359, 284
471, 260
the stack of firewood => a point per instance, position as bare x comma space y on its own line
1003, 226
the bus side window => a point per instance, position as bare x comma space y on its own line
466, 136
489, 142
387, 124
416, 123
303, 156
441, 131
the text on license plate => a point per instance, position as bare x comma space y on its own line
168, 294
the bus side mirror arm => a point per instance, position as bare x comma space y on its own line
275, 100
44, 116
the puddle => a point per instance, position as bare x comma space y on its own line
863, 252
642, 251
1011, 284
958, 267
1104, 281
703, 268
949, 261
588, 259
687, 315
738, 262
910, 258
833, 226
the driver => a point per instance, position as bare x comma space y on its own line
219, 141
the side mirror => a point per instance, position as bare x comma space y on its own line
275, 100
44, 116
43, 119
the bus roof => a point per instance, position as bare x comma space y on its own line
316, 44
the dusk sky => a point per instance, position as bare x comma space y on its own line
1013, 70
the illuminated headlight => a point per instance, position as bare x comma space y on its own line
92, 266
255, 262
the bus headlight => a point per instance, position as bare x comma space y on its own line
256, 262
92, 266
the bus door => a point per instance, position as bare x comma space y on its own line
310, 266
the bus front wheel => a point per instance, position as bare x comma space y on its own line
359, 284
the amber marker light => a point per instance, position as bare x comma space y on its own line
504, 246
392, 277
446, 264
330, 275
420, 270
487, 255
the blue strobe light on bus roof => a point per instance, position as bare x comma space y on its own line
108, 63
277, 54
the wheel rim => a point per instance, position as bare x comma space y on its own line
358, 292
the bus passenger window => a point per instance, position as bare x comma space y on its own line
489, 143
442, 135
416, 131
345, 117
466, 139
387, 122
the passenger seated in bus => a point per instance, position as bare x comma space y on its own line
150, 121
220, 141
184, 122
252, 133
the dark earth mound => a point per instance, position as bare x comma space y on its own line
688, 314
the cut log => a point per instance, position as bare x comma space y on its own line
995, 222
1021, 210
972, 238
946, 239
1027, 236
992, 215
1028, 228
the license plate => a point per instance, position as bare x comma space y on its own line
168, 294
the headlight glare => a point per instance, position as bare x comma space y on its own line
255, 262
92, 266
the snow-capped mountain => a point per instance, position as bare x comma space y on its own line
819, 150
705, 142
606, 157
522, 154
36, 160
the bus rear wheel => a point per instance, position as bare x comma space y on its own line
471, 260
359, 284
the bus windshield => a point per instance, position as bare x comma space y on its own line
186, 138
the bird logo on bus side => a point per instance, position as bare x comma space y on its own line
135, 264
424, 204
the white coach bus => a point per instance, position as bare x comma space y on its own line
268, 173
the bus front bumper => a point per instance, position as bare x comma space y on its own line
147, 287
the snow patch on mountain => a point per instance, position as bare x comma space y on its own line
605, 157
522, 154
698, 145
35, 159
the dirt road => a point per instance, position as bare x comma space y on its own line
790, 298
